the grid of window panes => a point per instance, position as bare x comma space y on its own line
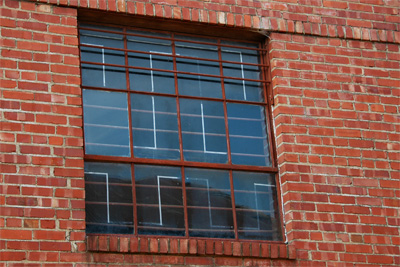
176, 136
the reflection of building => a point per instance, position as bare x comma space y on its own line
333, 67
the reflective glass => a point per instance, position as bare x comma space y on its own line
106, 123
248, 135
256, 208
203, 131
240, 89
209, 203
155, 127
101, 75
151, 80
109, 207
199, 86
159, 200
243, 90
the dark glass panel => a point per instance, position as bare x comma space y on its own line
159, 200
109, 207
256, 209
209, 203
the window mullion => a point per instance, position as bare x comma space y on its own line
130, 134
178, 112
227, 141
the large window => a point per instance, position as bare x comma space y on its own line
177, 135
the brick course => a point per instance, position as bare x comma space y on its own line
336, 91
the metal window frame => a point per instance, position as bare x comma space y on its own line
265, 82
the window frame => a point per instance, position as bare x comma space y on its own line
181, 163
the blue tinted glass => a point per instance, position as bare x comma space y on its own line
203, 131
239, 89
106, 123
103, 76
202, 86
256, 209
248, 135
100, 75
158, 59
155, 127
159, 200
209, 203
109, 207
197, 85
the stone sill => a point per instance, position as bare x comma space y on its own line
178, 246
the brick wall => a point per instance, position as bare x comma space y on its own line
336, 82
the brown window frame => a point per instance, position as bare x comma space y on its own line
267, 104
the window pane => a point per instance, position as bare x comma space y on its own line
209, 203
102, 39
155, 127
203, 131
238, 89
100, 75
159, 200
109, 207
103, 76
256, 209
248, 135
243, 90
196, 85
149, 80
149, 42
199, 86
106, 123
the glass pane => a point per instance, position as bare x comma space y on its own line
239, 89
149, 42
100, 75
159, 200
256, 209
106, 123
101, 39
243, 90
201, 51
209, 203
199, 86
151, 80
109, 207
155, 127
248, 135
103, 76
203, 131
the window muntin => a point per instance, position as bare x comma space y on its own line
192, 107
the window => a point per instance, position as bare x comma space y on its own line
177, 136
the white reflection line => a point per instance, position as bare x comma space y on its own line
104, 67
107, 192
154, 123
159, 194
244, 84
203, 127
